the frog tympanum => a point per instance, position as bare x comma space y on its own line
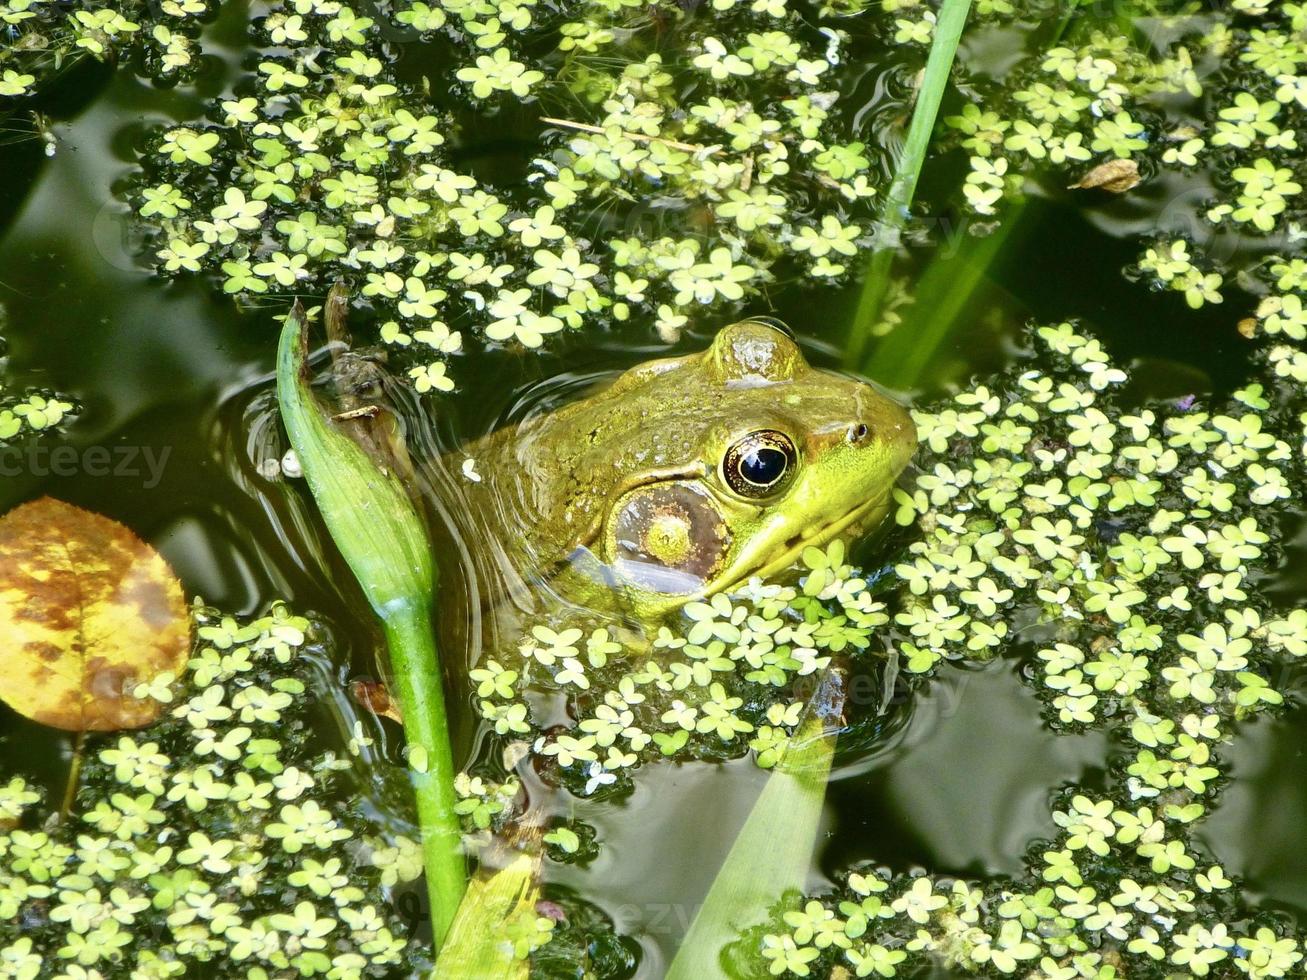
683, 478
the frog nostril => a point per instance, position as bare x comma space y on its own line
858, 432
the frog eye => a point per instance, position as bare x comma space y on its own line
760, 464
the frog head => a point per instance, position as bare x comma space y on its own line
690, 475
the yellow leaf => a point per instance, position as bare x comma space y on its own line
88, 611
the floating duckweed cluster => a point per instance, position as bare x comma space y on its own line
1133, 540
1069, 106
212, 837
30, 412
1170, 266
1217, 102
325, 165
735, 677
41, 36
1282, 314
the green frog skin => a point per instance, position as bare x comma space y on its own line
683, 478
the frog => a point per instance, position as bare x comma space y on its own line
684, 477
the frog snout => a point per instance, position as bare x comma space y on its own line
870, 416
877, 419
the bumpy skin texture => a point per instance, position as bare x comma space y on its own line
619, 503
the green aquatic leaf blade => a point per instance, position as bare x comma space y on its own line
481, 942
771, 856
898, 201
382, 538
939, 64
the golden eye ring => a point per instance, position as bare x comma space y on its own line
761, 464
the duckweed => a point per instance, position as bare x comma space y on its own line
42, 37
323, 164
735, 677
1208, 107
217, 835
1134, 537
31, 412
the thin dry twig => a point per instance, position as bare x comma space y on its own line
638, 137
365, 412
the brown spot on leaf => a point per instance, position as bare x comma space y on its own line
46, 651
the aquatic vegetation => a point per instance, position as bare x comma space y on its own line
735, 676
32, 411
683, 177
1208, 109
878, 282
1170, 266
41, 37
1133, 537
325, 165
1068, 106
379, 533
217, 835
784, 824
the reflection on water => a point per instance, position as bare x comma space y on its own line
963, 788
1268, 792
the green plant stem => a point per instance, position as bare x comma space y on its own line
944, 292
416, 684
74, 776
383, 540
898, 201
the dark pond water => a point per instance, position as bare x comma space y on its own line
176, 374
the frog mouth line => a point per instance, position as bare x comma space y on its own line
795, 546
